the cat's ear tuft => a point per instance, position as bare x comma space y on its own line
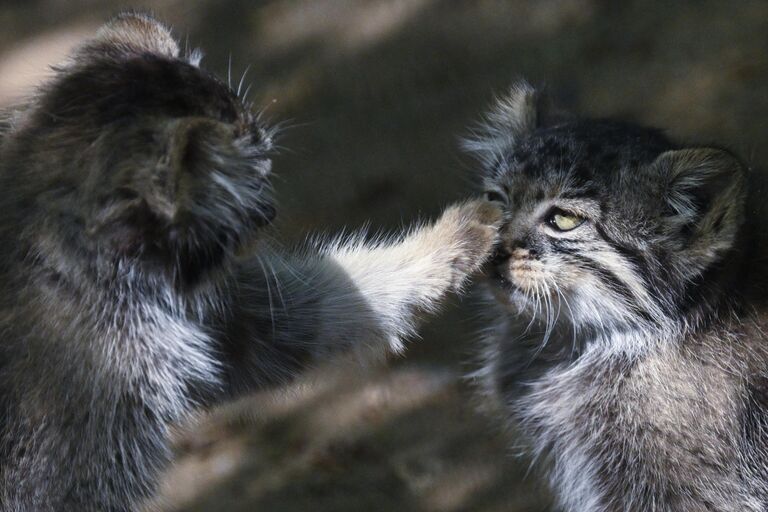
517, 113
705, 201
132, 33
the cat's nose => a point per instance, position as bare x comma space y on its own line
522, 253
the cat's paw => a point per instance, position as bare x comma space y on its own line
474, 227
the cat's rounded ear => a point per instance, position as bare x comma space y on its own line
520, 111
704, 202
130, 33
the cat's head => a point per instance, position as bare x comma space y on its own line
135, 155
608, 223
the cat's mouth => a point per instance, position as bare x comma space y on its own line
503, 288
505, 267
519, 283
499, 277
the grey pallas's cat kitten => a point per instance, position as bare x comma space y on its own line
626, 339
130, 185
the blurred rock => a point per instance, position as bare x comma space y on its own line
406, 440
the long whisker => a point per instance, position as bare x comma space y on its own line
549, 318
247, 91
573, 326
242, 79
531, 298
229, 71
269, 296
278, 285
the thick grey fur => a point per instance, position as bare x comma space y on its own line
134, 285
631, 350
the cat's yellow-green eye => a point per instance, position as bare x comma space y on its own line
563, 221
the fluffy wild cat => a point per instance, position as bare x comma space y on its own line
130, 185
627, 336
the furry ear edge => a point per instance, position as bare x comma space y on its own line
705, 196
128, 33
520, 111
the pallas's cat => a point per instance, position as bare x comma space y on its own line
131, 185
626, 339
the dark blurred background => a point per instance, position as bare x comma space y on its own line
374, 95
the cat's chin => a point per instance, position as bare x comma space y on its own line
508, 294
